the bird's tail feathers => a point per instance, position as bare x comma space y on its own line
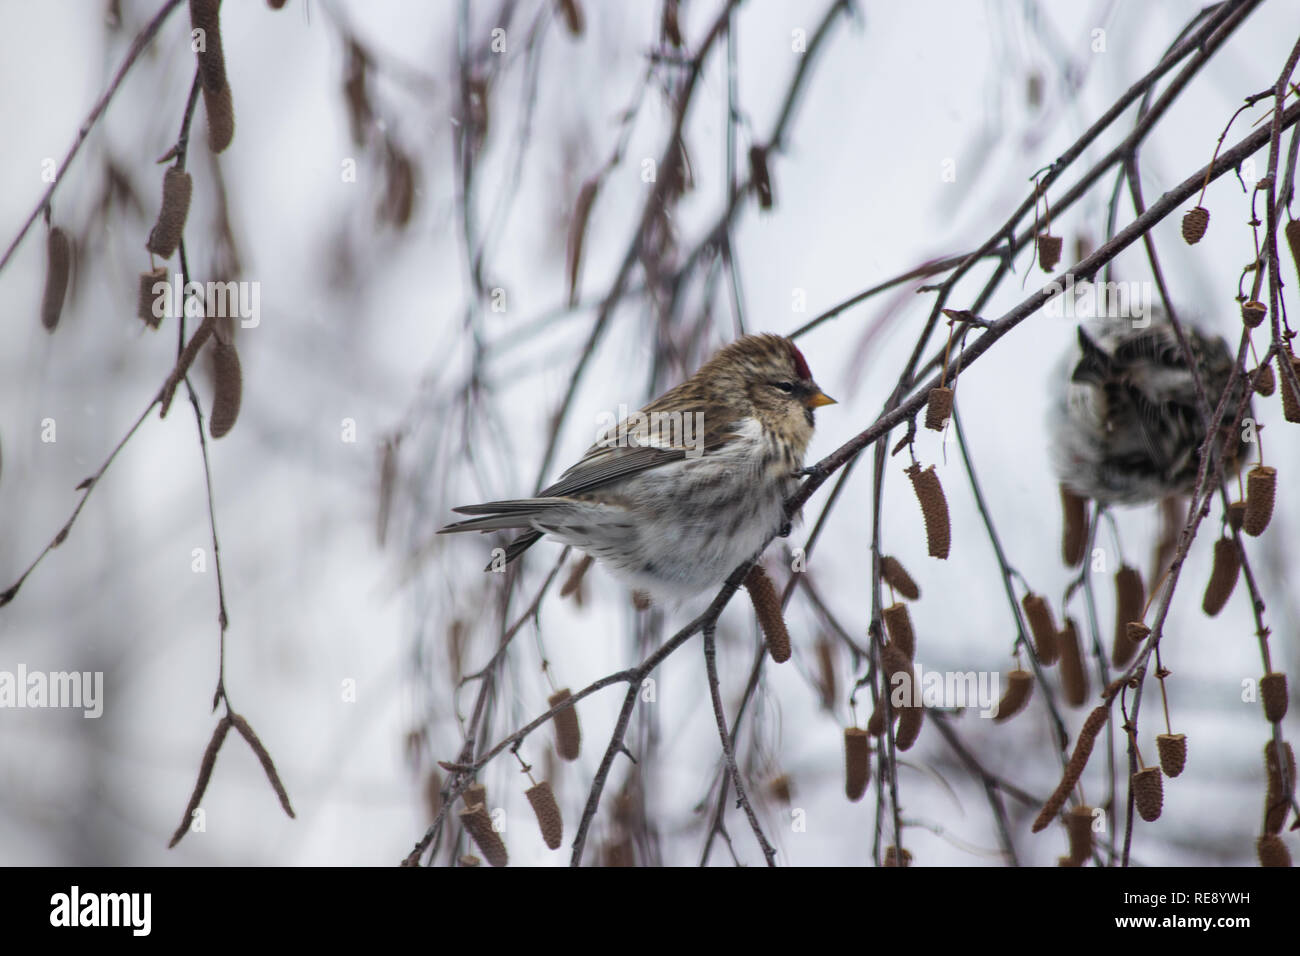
487, 523
501, 514
518, 546
513, 506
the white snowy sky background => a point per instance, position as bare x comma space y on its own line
313, 601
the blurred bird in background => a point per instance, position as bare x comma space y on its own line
1125, 423
1126, 426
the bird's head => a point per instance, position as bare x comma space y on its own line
768, 376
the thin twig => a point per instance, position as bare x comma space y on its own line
728, 749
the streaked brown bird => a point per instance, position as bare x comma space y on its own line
1125, 426
675, 496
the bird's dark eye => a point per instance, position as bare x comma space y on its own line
786, 387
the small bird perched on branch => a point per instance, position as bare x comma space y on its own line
1126, 426
675, 497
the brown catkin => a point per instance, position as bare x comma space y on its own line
895, 661
264, 758
1271, 764
1049, 252
229, 389
469, 859
938, 409
1223, 576
896, 576
826, 683
574, 21
876, 722
910, 720
1148, 793
475, 795
166, 233
360, 113
1173, 753
1290, 401
578, 234
1293, 240
547, 811
568, 734
857, 763
618, 853
205, 775
671, 26
760, 176
1195, 221
899, 625
185, 361
1123, 649
456, 648
1236, 513
1130, 597
767, 605
1074, 679
781, 790
1039, 614
205, 15
1277, 804
1272, 851
478, 824
895, 857
911, 714
147, 297
220, 108
573, 583
1074, 537
399, 193
1253, 313
58, 262
1074, 769
934, 508
1020, 685
1078, 824
1272, 688
433, 793
1261, 487
1265, 382
479, 112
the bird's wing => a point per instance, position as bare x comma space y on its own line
635, 450
601, 466
591, 472
628, 448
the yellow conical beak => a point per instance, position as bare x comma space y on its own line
818, 400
